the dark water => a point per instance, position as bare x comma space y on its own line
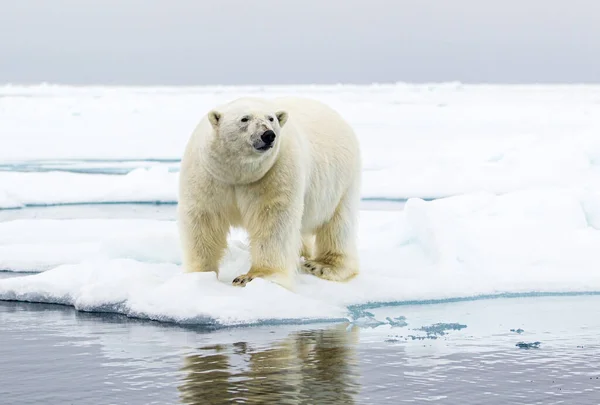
54, 355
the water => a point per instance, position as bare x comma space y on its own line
55, 355
461, 352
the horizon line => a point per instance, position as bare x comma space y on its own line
306, 84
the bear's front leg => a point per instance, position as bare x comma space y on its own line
275, 240
203, 238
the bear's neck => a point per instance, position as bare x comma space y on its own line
232, 169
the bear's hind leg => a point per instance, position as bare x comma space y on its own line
308, 246
336, 256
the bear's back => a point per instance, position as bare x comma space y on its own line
330, 150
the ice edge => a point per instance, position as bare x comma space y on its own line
354, 311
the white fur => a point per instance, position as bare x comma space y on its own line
303, 191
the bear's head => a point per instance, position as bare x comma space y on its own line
246, 129
244, 141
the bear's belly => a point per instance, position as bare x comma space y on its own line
318, 209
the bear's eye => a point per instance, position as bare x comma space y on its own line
271, 119
245, 119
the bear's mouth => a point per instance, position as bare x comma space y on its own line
263, 146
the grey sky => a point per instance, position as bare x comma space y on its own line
298, 41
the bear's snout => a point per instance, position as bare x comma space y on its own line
268, 137
266, 141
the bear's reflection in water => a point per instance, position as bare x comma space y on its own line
309, 367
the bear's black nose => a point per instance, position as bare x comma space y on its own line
268, 137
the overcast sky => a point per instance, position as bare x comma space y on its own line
298, 41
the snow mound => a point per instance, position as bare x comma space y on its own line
40, 244
147, 185
8, 201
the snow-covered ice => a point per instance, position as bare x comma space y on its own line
518, 167
417, 140
32, 245
467, 246
145, 185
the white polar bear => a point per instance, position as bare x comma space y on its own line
286, 170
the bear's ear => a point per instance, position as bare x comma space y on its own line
214, 117
282, 117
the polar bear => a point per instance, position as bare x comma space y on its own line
288, 171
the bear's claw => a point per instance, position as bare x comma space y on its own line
242, 280
316, 269
327, 271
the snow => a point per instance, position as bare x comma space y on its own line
514, 172
432, 140
572, 162
28, 245
147, 185
537, 241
